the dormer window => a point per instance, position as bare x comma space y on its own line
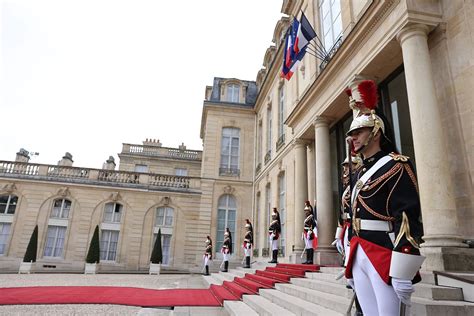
233, 93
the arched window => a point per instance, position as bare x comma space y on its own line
112, 212
226, 216
61, 208
164, 220
282, 210
8, 204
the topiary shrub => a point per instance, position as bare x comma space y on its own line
157, 253
32, 249
93, 256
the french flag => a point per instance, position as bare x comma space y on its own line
304, 35
290, 58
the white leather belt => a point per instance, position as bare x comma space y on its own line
382, 226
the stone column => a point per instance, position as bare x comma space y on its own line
325, 253
435, 184
311, 173
301, 192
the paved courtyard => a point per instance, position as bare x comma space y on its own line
164, 281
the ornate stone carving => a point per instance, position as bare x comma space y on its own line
9, 188
229, 189
115, 196
64, 191
166, 200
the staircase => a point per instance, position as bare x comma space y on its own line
286, 289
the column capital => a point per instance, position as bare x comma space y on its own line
321, 121
297, 142
412, 30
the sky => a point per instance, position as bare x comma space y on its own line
85, 76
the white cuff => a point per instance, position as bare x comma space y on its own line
338, 232
405, 266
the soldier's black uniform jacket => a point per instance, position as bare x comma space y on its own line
391, 195
208, 251
227, 244
275, 227
248, 236
309, 223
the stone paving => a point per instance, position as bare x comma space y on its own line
163, 281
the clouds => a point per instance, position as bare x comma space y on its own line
85, 76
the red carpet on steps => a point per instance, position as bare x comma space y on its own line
215, 295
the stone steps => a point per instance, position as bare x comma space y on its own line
264, 306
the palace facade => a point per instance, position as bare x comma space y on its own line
272, 143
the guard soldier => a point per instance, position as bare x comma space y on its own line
274, 233
308, 232
208, 254
226, 249
384, 256
248, 242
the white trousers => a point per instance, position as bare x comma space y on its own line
206, 260
375, 296
226, 256
247, 251
273, 243
308, 243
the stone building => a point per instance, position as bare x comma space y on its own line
273, 143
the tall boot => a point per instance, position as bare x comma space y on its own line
307, 257
247, 262
207, 270
310, 255
226, 266
274, 256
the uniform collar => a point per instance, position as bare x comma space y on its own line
373, 159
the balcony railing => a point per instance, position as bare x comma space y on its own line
229, 172
155, 151
152, 181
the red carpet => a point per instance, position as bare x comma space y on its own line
213, 296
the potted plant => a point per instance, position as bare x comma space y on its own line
93, 255
156, 255
30, 255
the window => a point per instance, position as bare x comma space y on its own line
281, 207
269, 132
4, 232
230, 151
165, 247
8, 204
259, 143
164, 216
181, 172
226, 215
141, 168
331, 22
281, 110
61, 208
233, 92
55, 241
108, 245
112, 212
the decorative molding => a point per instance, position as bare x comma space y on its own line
228, 189
9, 188
166, 200
115, 196
63, 192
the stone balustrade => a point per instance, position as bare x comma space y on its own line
12, 169
156, 151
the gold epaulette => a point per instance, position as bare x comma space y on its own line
399, 157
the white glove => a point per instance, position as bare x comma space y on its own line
351, 283
339, 245
403, 288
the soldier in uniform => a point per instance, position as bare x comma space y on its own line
308, 232
208, 254
274, 233
384, 256
226, 249
248, 242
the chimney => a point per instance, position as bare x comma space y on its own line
109, 164
22, 155
66, 161
182, 147
152, 142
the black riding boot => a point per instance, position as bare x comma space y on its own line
247, 262
310, 255
307, 257
226, 266
207, 270
274, 256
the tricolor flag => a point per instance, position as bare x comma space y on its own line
304, 34
290, 58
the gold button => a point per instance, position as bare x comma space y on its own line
364, 169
